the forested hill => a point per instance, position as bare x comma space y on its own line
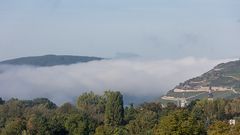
223, 75
223, 81
50, 60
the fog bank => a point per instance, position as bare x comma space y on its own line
134, 77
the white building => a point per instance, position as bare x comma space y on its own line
232, 122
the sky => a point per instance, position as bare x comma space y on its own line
154, 44
156, 29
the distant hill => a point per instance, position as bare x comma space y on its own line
50, 60
223, 81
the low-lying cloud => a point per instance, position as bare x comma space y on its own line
133, 77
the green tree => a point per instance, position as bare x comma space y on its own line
104, 130
56, 125
219, 128
66, 108
143, 124
152, 106
109, 130
219, 109
93, 105
78, 124
37, 125
180, 122
120, 131
14, 127
44, 102
114, 112
232, 108
235, 129
129, 113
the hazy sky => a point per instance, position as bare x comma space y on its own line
177, 39
148, 28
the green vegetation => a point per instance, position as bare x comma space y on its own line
105, 115
114, 111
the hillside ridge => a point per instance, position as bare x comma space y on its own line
50, 60
223, 81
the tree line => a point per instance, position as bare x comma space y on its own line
106, 115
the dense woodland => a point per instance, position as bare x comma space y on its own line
106, 115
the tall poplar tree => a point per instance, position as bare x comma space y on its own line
114, 111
